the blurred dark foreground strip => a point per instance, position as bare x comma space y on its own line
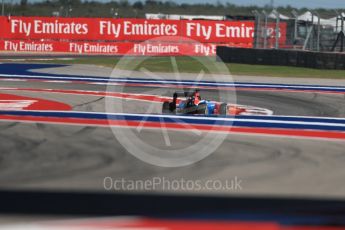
177, 211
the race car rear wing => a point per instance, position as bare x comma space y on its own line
185, 93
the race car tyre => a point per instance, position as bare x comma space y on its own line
166, 107
172, 107
223, 109
202, 109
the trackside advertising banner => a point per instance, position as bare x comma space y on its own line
56, 29
112, 48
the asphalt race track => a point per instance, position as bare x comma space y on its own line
59, 156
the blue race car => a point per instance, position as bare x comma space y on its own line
193, 104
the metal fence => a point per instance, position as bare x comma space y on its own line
303, 32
